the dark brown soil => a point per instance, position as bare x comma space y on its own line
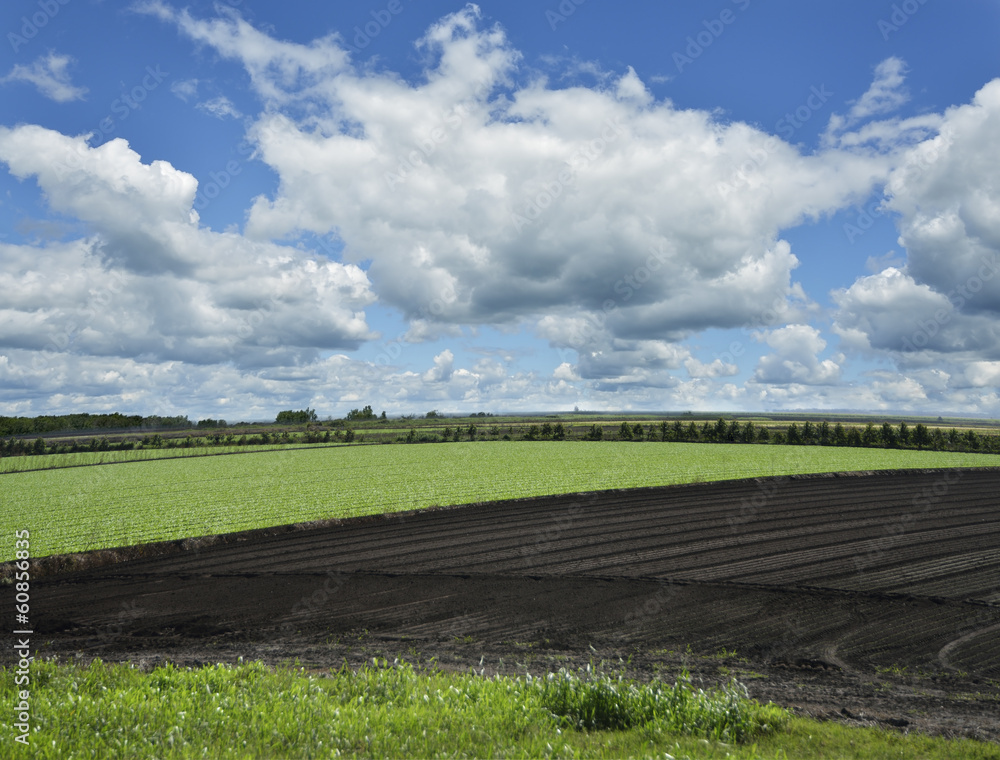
871, 599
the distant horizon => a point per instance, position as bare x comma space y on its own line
322, 417
224, 209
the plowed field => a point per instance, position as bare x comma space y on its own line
869, 598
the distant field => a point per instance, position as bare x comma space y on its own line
84, 458
83, 508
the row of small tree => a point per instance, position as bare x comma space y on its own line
886, 435
73, 422
808, 434
544, 432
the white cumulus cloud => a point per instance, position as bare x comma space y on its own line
795, 358
50, 74
149, 281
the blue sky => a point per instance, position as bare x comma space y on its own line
225, 210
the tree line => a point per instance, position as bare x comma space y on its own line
871, 435
72, 422
808, 433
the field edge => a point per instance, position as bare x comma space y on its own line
57, 565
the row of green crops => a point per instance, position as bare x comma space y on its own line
85, 458
83, 508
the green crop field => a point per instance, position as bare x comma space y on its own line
113, 505
85, 458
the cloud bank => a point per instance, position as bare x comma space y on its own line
611, 225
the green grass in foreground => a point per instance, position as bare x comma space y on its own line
249, 711
81, 508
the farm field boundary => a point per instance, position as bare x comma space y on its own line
9, 465
871, 599
88, 508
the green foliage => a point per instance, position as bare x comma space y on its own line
808, 432
870, 436
164, 499
839, 435
920, 435
888, 435
733, 432
362, 414
100, 444
904, 434
719, 434
117, 711
597, 701
692, 433
382, 710
210, 423
937, 439
150, 448
290, 417
77, 422
794, 437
